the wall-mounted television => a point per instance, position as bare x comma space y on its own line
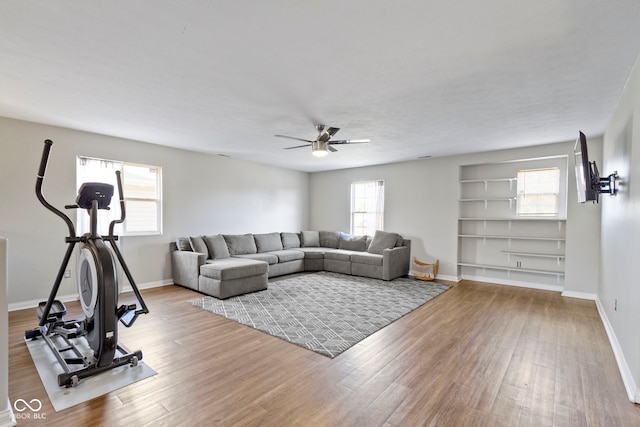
588, 180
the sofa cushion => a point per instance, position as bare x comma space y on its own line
353, 243
240, 244
217, 247
329, 239
338, 255
267, 257
198, 245
290, 240
233, 268
367, 258
268, 242
288, 255
383, 240
315, 253
310, 239
183, 244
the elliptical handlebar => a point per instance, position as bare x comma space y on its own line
39, 180
123, 213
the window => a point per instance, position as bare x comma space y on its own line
367, 207
538, 192
142, 190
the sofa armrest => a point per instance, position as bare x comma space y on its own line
395, 262
186, 268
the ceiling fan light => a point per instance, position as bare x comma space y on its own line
319, 148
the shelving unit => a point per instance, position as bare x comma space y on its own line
496, 245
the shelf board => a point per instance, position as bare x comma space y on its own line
496, 199
467, 181
512, 219
521, 270
534, 254
487, 236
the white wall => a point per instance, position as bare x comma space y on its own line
203, 194
619, 292
421, 203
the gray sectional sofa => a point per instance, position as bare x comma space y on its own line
225, 265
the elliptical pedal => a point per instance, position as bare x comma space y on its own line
56, 313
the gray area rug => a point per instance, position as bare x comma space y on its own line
325, 312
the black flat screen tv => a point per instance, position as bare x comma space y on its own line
587, 176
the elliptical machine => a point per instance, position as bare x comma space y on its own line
97, 286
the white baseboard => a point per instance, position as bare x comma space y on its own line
34, 303
449, 278
580, 295
149, 285
74, 297
7, 417
629, 384
531, 285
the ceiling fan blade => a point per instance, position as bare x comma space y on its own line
330, 148
293, 137
332, 131
297, 146
349, 141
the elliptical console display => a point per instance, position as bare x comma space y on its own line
97, 289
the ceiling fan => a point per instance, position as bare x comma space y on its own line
323, 143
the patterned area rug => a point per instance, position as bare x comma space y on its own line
325, 312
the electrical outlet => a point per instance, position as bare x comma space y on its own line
67, 274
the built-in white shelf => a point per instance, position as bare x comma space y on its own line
518, 269
481, 236
493, 239
495, 199
511, 219
468, 181
534, 254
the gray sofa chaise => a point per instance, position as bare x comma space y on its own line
225, 265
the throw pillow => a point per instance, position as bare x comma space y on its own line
183, 244
290, 240
240, 244
217, 246
268, 242
329, 239
198, 245
382, 240
310, 239
354, 243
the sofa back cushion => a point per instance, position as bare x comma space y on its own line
217, 247
329, 239
183, 244
240, 244
383, 240
198, 245
354, 243
268, 242
310, 239
290, 240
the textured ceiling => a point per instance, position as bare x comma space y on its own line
419, 78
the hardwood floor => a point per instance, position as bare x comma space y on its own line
477, 355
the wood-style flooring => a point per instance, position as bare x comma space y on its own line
477, 355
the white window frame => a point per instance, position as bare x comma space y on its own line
374, 207
548, 193
106, 216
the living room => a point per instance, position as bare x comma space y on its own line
208, 193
